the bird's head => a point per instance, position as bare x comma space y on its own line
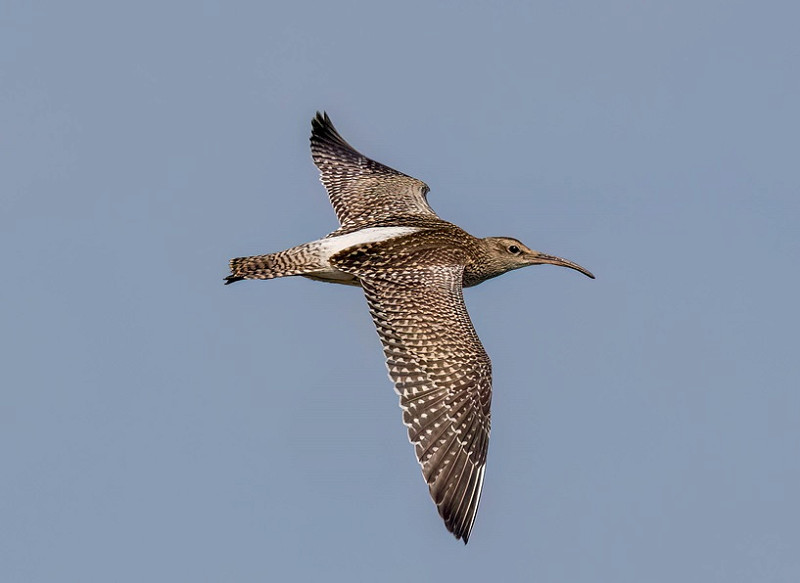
505, 254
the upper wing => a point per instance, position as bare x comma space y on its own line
362, 190
442, 374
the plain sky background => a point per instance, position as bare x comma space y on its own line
158, 426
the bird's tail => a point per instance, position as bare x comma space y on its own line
296, 261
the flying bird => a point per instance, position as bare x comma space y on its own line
412, 266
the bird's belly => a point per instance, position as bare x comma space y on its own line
333, 276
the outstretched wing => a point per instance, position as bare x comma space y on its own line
441, 372
361, 190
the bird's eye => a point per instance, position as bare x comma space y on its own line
513, 249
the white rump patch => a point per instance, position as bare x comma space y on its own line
333, 245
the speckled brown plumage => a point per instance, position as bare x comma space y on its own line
412, 266
362, 190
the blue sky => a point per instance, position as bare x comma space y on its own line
156, 425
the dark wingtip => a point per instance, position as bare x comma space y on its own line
232, 278
324, 136
321, 121
322, 126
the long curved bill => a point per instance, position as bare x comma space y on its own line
541, 258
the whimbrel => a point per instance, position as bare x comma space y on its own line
412, 266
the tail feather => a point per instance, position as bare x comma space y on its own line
253, 267
296, 261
